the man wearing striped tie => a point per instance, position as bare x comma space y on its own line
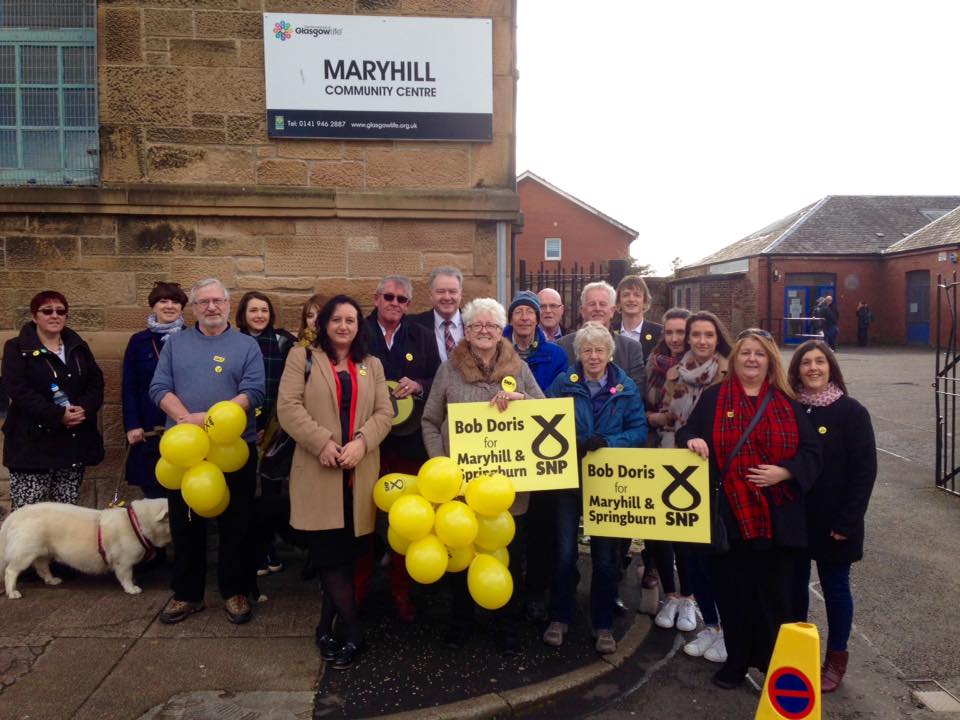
446, 292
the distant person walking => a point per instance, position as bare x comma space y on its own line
826, 311
864, 318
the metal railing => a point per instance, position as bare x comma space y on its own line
945, 386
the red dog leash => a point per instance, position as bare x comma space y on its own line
148, 546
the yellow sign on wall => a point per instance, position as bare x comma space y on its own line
645, 493
532, 442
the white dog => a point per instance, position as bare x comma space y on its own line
92, 541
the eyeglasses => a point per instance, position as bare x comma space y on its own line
390, 297
50, 311
754, 331
550, 306
478, 327
219, 302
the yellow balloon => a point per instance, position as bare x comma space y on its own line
427, 560
489, 582
501, 555
495, 531
398, 543
225, 422
459, 559
411, 485
229, 458
439, 479
218, 510
203, 488
490, 494
390, 487
456, 524
411, 516
184, 445
168, 474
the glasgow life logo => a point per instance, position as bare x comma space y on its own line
281, 30
318, 30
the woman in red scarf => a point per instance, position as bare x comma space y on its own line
761, 497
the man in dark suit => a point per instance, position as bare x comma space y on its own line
597, 303
633, 300
444, 320
409, 356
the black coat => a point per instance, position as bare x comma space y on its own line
838, 500
35, 437
414, 355
139, 362
650, 337
789, 519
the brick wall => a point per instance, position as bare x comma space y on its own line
182, 101
893, 300
585, 237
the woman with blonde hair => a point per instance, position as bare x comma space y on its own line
764, 457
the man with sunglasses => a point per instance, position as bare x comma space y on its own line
199, 367
410, 360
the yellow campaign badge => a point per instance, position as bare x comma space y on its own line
822, 430
509, 383
219, 359
574, 377
729, 413
402, 407
648, 336
648, 493
409, 357
36, 352
218, 369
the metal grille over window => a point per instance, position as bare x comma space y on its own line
48, 93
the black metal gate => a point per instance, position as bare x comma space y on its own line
569, 282
945, 385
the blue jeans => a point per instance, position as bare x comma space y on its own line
566, 521
606, 555
835, 584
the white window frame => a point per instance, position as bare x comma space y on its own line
546, 248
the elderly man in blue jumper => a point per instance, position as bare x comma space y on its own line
198, 367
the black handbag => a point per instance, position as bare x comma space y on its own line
719, 538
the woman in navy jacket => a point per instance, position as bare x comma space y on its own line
837, 504
608, 412
140, 415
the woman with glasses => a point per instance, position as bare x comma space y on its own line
764, 457
142, 420
475, 372
703, 364
608, 412
55, 389
837, 504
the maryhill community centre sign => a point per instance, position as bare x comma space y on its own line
346, 76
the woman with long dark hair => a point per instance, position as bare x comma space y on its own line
837, 504
764, 457
334, 401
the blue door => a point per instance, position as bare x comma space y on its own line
918, 307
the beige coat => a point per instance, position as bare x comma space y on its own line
458, 380
310, 415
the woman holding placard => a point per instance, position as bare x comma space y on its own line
334, 402
483, 367
764, 457
608, 412
837, 504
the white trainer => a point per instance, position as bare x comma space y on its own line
687, 615
703, 642
718, 651
667, 617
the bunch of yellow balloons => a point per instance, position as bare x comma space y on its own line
439, 533
193, 460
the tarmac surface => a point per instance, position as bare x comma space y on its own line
85, 649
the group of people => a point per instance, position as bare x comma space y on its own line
791, 455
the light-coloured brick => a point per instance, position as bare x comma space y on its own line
277, 284
152, 236
296, 256
186, 164
249, 265
489, 163
125, 318
337, 227
72, 224
50, 253
172, 23
231, 246
216, 24
123, 42
417, 169
121, 153
428, 235
188, 270
143, 95
384, 262
463, 261
281, 172
95, 289
228, 90
203, 52
310, 149
337, 173
244, 227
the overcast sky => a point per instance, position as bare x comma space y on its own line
698, 122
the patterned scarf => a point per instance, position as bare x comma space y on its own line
164, 330
273, 359
657, 376
773, 440
486, 371
827, 396
694, 379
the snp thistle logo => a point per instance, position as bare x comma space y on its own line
281, 30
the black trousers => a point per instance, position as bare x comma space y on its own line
541, 536
236, 568
755, 597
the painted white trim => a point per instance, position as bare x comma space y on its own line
546, 246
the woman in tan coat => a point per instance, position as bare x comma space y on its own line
334, 402
474, 373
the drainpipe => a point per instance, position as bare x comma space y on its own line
502, 258
773, 328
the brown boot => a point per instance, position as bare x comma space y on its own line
834, 668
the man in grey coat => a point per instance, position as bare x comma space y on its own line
598, 303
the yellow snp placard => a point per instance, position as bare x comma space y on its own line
646, 493
532, 442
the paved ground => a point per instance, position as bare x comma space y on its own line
87, 650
